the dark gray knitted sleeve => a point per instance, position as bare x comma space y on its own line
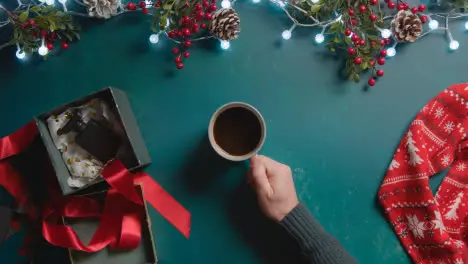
317, 245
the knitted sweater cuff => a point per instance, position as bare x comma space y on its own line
305, 229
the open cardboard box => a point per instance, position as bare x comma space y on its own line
133, 152
145, 253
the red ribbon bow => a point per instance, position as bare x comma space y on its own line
121, 217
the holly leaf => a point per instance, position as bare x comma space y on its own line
23, 16
35, 9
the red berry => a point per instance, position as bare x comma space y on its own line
406, 5
186, 54
382, 42
372, 17
178, 59
203, 25
373, 43
171, 34
142, 4
198, 7
187, 4
64, 45
200, 15
391, 4
362, 8
43, 33
400, 7
388, 41
351, 51
188, 43
185, 20
381, 61
421, 8
423, 19
180, 66
186, 32
372, 62
371, 82
175, 51
383, 53
50, 46
208, 16
351, 12
33, 36
179, 34
213, 1
145, 11
32, 22
195, 29
354, 38
157, 5
212, 7
206, 4
53, 35
353, 22
414, 10
347, 32
373, 2
362, 42
131, 6
357, 60
380, 73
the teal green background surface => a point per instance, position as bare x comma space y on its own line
337, 136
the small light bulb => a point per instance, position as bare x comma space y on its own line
315, 1
20, 54
466, 25
454, 45
62, 1
225, 44
286, 34
226, 4
50, 2
255, 1
433, 24
42, 1
43, 50
154, 38
391, 52
281, 3
385, 33
319, 38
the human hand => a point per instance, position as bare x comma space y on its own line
274, 186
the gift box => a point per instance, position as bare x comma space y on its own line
145, 253
132, 151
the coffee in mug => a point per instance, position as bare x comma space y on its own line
237, 131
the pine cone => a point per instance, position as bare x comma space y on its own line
406, 26
225, 24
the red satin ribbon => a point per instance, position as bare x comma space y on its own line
121, 217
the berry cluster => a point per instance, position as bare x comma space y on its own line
357, 47
142, 5
34, 30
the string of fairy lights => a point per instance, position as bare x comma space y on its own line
435, 20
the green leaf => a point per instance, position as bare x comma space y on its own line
35, 9
315, 8
348, 41
77, 35
331, 48
23, 16
365, 65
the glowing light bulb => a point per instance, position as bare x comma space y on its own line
62, 1
154, 38
281, 3
225, 44
255, 1
50, 2
42, 1
454, 45
319, 38
286, 34
226, 4
20, 54
385, 33
433, 24
391, 52
466, 25
315, 1
43, 50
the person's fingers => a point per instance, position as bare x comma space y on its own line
258, 174
270, 164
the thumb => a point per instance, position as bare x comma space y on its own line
259, 176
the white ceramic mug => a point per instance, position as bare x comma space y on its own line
221, 151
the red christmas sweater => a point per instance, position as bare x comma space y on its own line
432, 228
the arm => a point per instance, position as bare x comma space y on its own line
278, 200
